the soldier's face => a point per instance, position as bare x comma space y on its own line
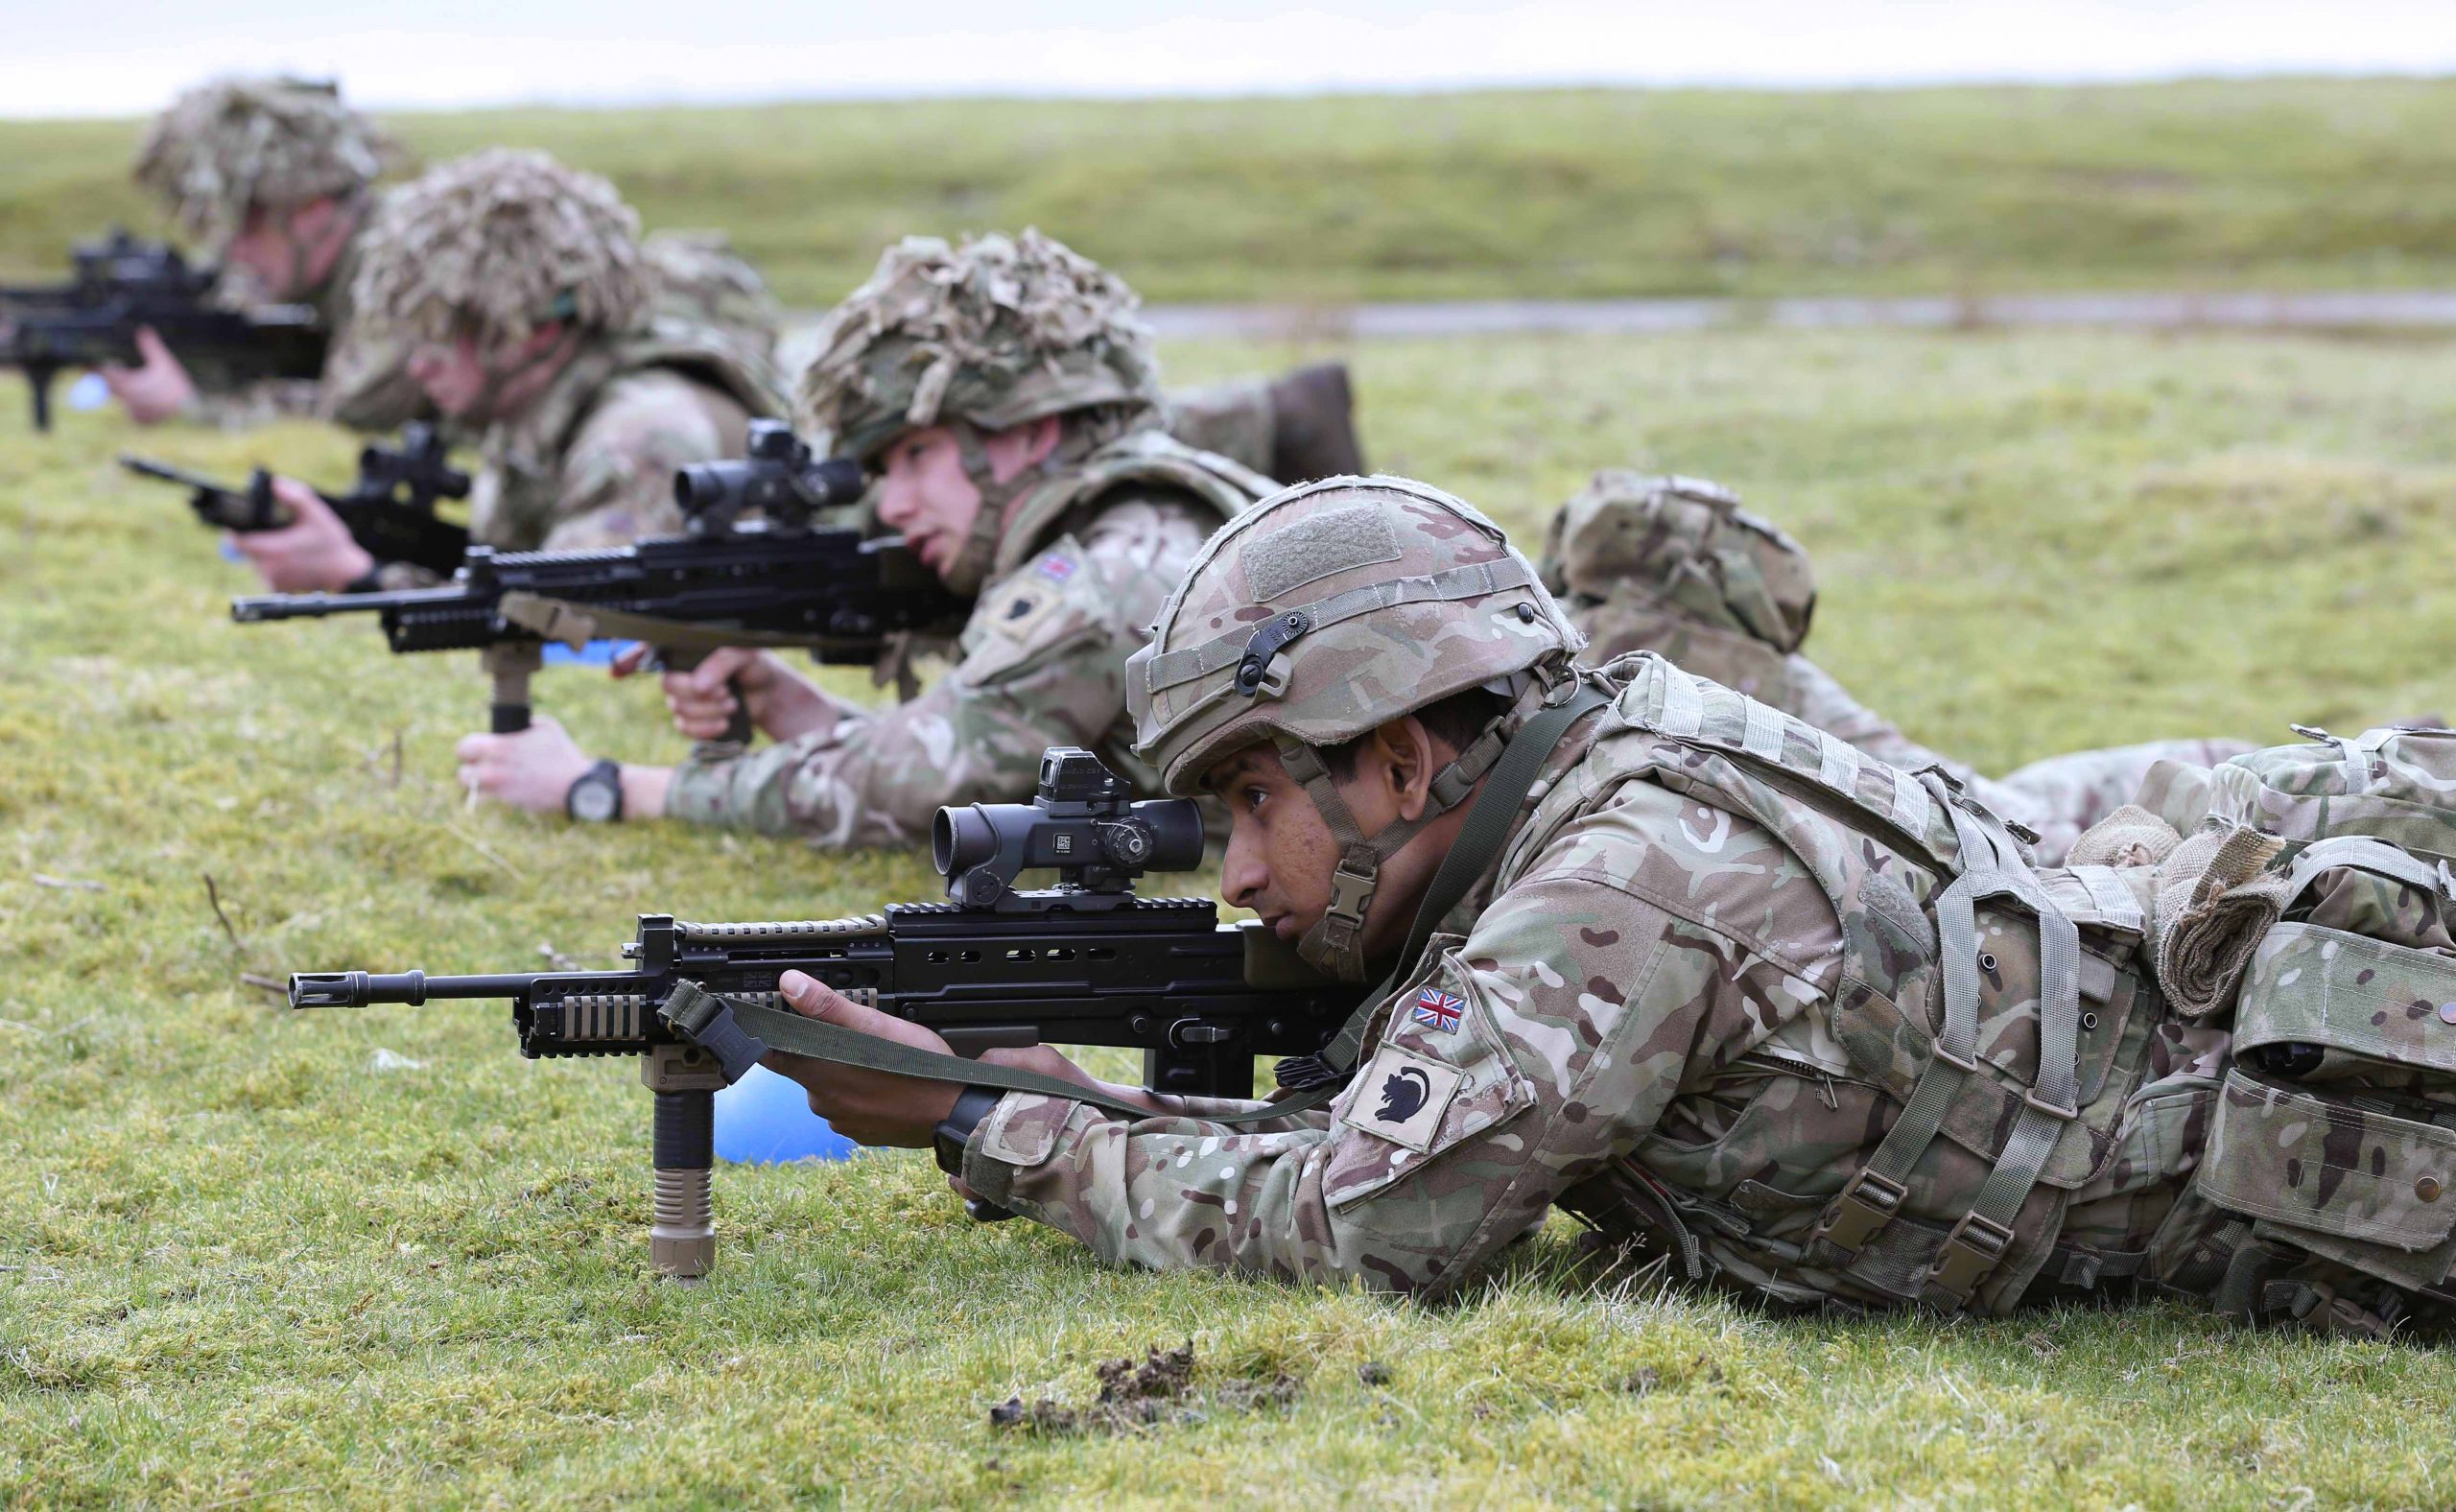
289, 249
1282, 855
470, 381
926, 496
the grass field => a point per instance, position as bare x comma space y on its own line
2270, 183
374, 1257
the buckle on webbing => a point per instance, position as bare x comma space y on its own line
1866, 1203
1971, 1252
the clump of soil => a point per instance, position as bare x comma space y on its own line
1159, 1391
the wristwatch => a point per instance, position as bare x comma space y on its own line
595, 796
947, 1142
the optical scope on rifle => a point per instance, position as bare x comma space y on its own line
779, 480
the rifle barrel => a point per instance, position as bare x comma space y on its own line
359, 989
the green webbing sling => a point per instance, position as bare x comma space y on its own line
728, 1025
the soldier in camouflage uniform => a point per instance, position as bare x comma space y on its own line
1007, 398
1676, 565
1807, 1025
277, 178
591, 363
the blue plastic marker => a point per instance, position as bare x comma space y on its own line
764, 1119
595, 654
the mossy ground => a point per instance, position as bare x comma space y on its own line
241, 1259
2302, 183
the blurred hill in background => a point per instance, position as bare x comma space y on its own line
2284, 184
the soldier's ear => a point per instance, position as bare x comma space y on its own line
1409, 762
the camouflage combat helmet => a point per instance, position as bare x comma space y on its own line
1325, 611
497, 244
1683, 546
234, 143
993, 334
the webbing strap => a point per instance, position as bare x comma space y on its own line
1875, 1195
1474, 580
2376, 857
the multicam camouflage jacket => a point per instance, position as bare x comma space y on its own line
1694, 1001
1079, 577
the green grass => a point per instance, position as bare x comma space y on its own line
239, 1262
2282, 182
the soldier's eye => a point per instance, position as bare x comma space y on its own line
1254, 797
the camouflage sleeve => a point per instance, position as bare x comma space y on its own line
616, 483
1546, 1042
1043, 663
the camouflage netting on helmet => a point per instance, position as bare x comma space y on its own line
236, 142
997, 332
497, 244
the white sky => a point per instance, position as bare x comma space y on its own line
126, 58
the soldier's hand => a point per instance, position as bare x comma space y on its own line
314, 552
157, 388
702, 700
531, 769
870, 1107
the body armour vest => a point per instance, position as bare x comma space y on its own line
1916, 1134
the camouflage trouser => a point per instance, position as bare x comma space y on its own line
2063, 796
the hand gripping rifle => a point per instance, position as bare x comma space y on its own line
389, 510
1085, 962
776, 581
120, 285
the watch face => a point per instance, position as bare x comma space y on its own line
594, 798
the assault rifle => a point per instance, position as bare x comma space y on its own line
1085, 962
776, 581
121, 285
389, 511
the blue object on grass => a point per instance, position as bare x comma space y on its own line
90, 392
595, 654
231, 552
764, 1118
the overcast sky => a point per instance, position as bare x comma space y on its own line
119, 59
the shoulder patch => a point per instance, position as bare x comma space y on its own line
1401, 1097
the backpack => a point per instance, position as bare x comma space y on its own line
2335, 1133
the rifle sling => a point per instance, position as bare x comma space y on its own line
739, 1032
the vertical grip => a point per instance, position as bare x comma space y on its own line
682, 1235
682, 1232
510, 667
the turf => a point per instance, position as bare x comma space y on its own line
2260, 183
374, 1257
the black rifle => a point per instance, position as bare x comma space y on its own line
777, 582
389, 510
121, 285
1085, 962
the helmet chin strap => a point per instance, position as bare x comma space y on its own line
970, 569
1335, 943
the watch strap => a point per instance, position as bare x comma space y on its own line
954, 1132
607, 774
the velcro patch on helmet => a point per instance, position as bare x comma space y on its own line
1316, 548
